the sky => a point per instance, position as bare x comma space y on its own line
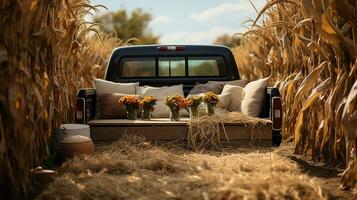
190, 21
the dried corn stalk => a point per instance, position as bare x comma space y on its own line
310, 50
45, 56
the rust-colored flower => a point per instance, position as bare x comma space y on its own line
148, 102
210, 98
130, 101
194, 101
188, 102
176, 101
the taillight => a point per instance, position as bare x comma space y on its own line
80, 110
277, 114
171, 48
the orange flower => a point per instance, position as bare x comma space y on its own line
194, 101
130, 101
176, 101
211, 98
148, 102
189, 102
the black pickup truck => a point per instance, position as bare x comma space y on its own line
166, 65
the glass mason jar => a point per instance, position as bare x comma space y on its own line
131, 112
193, 112
146, 113
174, 114
210, 109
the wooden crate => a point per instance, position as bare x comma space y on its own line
162, 129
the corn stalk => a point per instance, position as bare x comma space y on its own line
45, 56
309, 47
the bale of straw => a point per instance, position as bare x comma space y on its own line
206, 131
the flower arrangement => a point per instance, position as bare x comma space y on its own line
130, 101
132, 104
148, 104
193, 103
211, 99
175, 103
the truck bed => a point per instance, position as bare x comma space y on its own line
162, 129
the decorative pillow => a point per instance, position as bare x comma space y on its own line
254, 95
236, 97
161, 110
109, 108
240, 83
224, 101
207, 87
108, 87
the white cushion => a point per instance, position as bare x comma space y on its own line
224, 101
236, 97
240, 83
254, 95
162, 110
108, 87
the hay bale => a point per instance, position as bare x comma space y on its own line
205, 131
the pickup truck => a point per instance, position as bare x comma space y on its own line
166, 65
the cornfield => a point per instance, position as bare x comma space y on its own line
309, 48
45, 56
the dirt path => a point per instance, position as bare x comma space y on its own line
140, 170
329, 179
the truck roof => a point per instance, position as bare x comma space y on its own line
138, 51
187, 49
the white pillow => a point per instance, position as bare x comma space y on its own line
254, 95
108, 87
240, 83
236, 97
224, 101
162, 110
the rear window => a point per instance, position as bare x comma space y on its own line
172, 67
138, 67
203, 67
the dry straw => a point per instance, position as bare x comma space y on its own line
206, 131
135, 169
310, 50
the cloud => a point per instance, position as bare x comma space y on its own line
226, 9
201, 37
161, 19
